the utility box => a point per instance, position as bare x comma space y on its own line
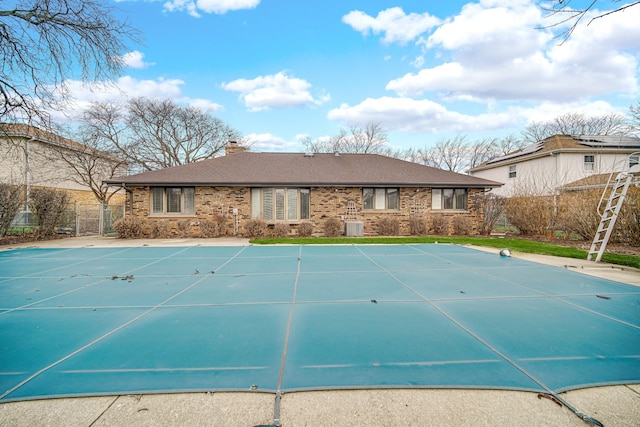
354, 229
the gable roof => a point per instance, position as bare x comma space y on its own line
13, 131
599, 181
565, 143
299, 169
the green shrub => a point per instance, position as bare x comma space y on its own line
333, 227
389, 226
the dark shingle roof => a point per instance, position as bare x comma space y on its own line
299, 169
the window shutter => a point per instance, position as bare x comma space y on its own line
189, 200
279, 204
292, 204
157, 194
255, 203
267, 204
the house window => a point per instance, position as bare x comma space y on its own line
512, 171
380, 199
633, 161
280, 204
449, 199
589, 163
172, 200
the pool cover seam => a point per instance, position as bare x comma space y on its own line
283, 360
464, 328
113, 331
558, 298
26, 306
69, 265
547, 389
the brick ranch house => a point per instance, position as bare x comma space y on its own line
292, 188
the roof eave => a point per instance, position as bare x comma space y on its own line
306, 184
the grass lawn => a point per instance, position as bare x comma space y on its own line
517, 245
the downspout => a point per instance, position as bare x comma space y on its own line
27, 176
130, 197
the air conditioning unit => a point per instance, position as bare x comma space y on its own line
354, 229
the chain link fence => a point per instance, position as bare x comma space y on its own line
80, 219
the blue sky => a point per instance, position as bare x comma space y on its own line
279, 70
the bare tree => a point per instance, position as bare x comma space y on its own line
482, 151
91, 165
367, 139
508, 144
566, 16
43, 42
634, 112
153, 134
576, 124
449, 154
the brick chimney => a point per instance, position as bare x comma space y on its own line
233, 147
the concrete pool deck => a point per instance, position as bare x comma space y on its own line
611, 405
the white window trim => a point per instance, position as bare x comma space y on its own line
258, 200
437, 200
183, 202
592, 167
381, 199
512, 170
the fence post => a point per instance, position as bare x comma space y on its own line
101, 220
75, 208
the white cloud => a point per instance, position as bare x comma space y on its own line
135, 59
497, 53
417, 116
82, 94
397, 26
277, 90
202, 104
269, 142
548, 111
220, 7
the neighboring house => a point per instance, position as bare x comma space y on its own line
295, 187
545, 167
32, 157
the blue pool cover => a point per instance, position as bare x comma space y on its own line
94, 321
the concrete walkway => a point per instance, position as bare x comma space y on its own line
612, 406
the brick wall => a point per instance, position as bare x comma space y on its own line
325, 203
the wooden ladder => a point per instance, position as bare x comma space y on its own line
609, 215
